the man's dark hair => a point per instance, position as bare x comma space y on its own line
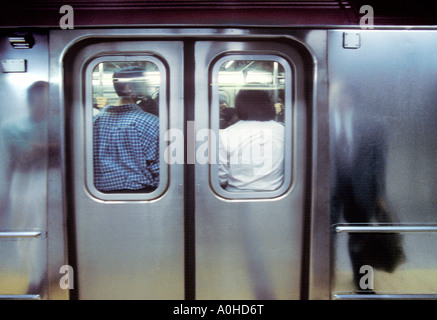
254, 105
121, 78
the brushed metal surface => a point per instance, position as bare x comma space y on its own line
24, 165
382, 95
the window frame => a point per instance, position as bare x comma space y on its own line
89, 135
289, 110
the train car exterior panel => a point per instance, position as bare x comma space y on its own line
383, 94
26, 164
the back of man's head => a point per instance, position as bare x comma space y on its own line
254, 104
130, 82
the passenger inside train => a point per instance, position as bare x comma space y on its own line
251, 151
126, 138
228, 115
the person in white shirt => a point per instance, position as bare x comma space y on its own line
251, 151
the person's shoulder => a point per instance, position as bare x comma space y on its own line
236, 125
275, 124
232, 128
149, 117
146, 118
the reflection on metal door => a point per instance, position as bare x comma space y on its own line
129, 232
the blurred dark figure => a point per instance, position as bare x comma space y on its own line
24, 158
359, 156
25, 136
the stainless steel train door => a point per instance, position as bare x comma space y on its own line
190, 238
126, 245
249, 242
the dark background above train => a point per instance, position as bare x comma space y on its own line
101, 13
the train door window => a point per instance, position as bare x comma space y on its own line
251, 116
125, 116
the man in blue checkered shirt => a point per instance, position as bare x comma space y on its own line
126, 139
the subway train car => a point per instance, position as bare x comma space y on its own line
350, 212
